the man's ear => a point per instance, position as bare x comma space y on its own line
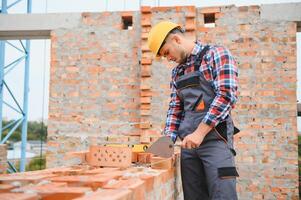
177, 39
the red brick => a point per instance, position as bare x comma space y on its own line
110, 156
18, 196
50, 192
145, 86
145, 100
161, 163
106, 170
136, 185
134, 157
144, 125
6, 188
126, 14
146, 61
145, 93
144, 157
145, 9
210, 10
25, 177
149, 181
109, 194
94, 182
145, 112
146, 70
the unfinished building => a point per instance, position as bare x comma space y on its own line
106, 88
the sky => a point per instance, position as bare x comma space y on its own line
40, 49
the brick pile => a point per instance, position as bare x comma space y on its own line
148, 177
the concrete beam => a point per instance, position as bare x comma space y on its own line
35, 26
281, 12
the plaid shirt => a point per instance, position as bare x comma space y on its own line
220, 69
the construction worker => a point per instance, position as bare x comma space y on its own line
203, 92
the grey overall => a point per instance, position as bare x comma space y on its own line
208, 172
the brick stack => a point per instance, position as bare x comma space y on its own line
146, 73
84, 181
3, 158
190, 21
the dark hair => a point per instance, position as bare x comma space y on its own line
173, 31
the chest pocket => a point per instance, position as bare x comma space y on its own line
192, 81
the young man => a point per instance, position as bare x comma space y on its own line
203, 92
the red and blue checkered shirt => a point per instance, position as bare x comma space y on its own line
220, 69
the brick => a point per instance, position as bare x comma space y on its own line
4, 188
210, 10
146, 93
94, 182
25, 177
106, 170
126, 14
145, 22
149, 180
18, 196
145, 9
109, 194
146, 61
190, 15
145, 87
144, 36
134, 157
145, 100
136, 185
146, 71
49, 192
144, 48
145, 125
145, 112
144, 157
161, 163
110, 156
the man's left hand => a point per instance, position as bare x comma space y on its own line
195, 139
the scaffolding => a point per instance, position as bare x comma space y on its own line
4, 70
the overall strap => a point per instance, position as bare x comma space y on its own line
199, 58
198, 61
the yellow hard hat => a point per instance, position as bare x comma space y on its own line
158, 34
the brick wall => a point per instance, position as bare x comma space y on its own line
99, 89
84, 182
3, 158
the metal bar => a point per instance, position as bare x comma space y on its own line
15, 62
12, 67
7, 104
2, 56
9, 125
22, 45
13, 97
14, 46
4, 6
25, 100
12, 131
2, 62
13, 169
11, 5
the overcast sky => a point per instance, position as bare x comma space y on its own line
40, 49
